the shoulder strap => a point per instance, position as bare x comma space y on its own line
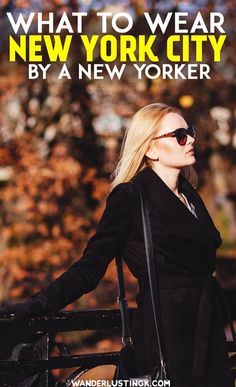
122, 302
155, 296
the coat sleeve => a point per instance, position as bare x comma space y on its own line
109, 239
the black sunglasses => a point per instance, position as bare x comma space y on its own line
181, 134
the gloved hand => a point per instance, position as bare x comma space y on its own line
37, 305
53, 298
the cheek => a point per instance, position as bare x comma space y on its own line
174, 155
171, 151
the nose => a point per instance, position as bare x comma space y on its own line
190, 139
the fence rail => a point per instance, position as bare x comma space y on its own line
27, 344
83, 319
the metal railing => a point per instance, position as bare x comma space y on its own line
28, 343
26, 346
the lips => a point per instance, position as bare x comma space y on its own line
190, 150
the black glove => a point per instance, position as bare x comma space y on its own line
36, 305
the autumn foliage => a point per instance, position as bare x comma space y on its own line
47, 214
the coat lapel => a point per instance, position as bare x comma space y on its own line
177, 219
203, 216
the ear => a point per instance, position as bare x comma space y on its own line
151, 153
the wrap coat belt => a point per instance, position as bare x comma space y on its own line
212, 304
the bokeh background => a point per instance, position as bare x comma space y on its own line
60, 141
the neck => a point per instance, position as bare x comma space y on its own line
170, 176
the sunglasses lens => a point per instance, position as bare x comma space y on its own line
191, 131
181, 136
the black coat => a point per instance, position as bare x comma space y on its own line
191, 307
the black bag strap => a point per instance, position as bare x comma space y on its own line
122, 302
155, 298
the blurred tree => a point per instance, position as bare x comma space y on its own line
53, 176
46, 211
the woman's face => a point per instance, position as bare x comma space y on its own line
169, 152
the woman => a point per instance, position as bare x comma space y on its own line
157, 152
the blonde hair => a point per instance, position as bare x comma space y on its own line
136, 140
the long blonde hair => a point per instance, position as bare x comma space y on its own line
136, 140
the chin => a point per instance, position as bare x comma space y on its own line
191, 161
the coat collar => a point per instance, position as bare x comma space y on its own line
178, 219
